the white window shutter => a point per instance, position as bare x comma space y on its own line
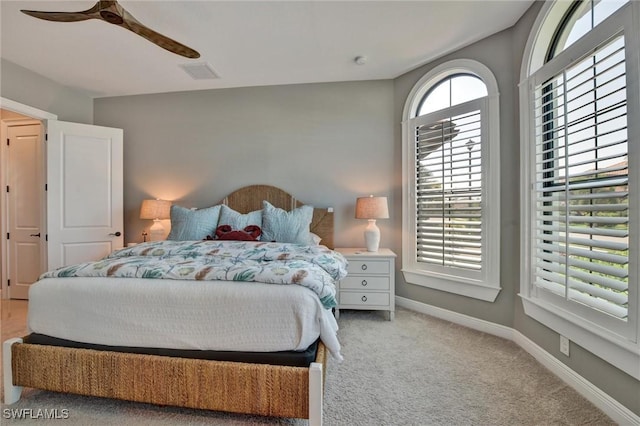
449, 190
581, 178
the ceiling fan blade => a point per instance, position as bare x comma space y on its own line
112, 12
58, 16
163, 41
69, 16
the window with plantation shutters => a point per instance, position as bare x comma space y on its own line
582, 183
451, 191
580, 174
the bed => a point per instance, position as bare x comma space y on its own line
244, 366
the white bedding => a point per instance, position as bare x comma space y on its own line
225, 315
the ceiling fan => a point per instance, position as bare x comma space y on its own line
112, 12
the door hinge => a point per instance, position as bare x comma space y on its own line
46, 237
46, 136
46, 187
8, 283
8, 143
7, 188
7, 235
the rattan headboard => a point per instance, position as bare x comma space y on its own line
249, 198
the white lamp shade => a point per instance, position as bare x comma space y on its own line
155, 209
372, 208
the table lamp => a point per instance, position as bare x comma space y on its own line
372, 208
156, 210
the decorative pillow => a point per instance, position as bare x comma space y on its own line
249, 233
192, 225
237, 220
286, 227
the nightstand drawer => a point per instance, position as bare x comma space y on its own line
368, 267
365, 283
363, 298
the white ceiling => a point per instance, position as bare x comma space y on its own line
248, 43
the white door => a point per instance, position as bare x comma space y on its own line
85, 192
24, 207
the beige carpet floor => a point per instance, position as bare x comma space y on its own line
415, 370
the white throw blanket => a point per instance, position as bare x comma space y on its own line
230, 316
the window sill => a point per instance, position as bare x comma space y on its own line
624, 355
463, 287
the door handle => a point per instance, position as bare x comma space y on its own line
116, 234
35, 235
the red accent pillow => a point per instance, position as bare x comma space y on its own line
250, 233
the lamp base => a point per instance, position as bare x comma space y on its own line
372, 236
157, 231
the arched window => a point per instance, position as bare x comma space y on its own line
450, 91
451, 190
580, 239
580, 18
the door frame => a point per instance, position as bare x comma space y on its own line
36, 114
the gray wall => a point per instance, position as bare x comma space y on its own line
503, 53
324, 143
495, 52
28, 88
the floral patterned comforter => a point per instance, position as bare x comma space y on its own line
314, 267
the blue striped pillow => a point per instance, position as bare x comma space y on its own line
193, 225
286, 227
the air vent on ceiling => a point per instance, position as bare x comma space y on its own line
199, 71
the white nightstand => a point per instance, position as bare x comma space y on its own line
370, 283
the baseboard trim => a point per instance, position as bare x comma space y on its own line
461, 319
618, 412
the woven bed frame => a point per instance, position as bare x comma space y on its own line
262, 389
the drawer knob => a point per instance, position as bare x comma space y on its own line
364, 267
364, 283
364, 298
